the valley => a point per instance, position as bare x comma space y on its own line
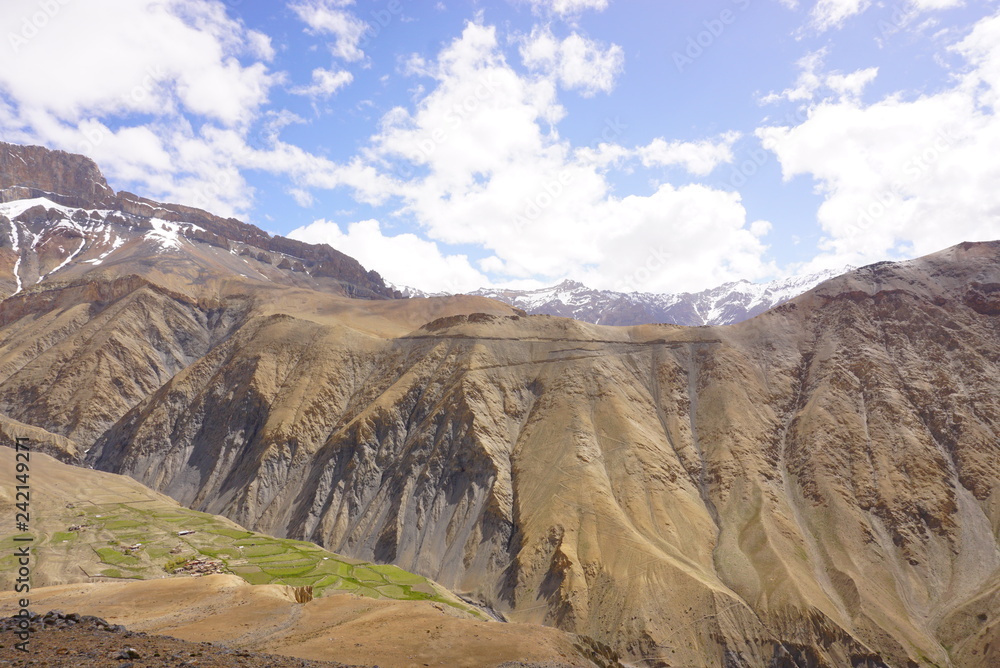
814, 486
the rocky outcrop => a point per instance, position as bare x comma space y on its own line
54, 445
723, 305
34, 171
28, 172
815, 486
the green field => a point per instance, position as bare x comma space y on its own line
99, 551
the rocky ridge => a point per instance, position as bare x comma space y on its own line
72, 640
723, 305
58, 213
814, 486
808, 483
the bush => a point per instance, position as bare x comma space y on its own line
175, 563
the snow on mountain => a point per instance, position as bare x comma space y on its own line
409, 292
723, 305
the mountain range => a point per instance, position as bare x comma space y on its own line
723, 305
815, 486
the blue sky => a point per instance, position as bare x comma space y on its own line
656, 146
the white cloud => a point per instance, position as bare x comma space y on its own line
832, 13
812, 80
568, 8
196, 77
478, 161
828, 14
981, 48
324, 83
303, 198
155, 57
260, 45
852, 84
699, 158
403, 259
328, 17
925, 5
904, 177
575, 62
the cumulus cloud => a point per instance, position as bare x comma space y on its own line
904, 177
324, 83
188, 70
329, 17
568, 8
575, 62
699, 158
402, 259
153, 57
477, 160
812, 81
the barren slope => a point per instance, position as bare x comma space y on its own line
816, 484
84, 521
345, 628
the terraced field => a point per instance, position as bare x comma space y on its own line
116, 529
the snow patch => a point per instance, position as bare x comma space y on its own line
17, 207
115, 245
15, 245
83, 244
722, 305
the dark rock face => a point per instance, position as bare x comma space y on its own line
794, 461
75, 181
31, 171
320, 260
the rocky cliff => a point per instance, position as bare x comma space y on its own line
59, 220
723, 305
35, 171
816, 486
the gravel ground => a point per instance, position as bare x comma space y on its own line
76, 641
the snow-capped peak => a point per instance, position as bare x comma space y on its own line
725, 304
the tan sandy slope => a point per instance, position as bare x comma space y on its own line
224, 608
344, 627
815, 487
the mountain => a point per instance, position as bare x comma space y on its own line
104, 542
59, 220
724, 305
816, 486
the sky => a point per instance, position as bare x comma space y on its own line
631, 145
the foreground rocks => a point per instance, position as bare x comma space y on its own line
76, 641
